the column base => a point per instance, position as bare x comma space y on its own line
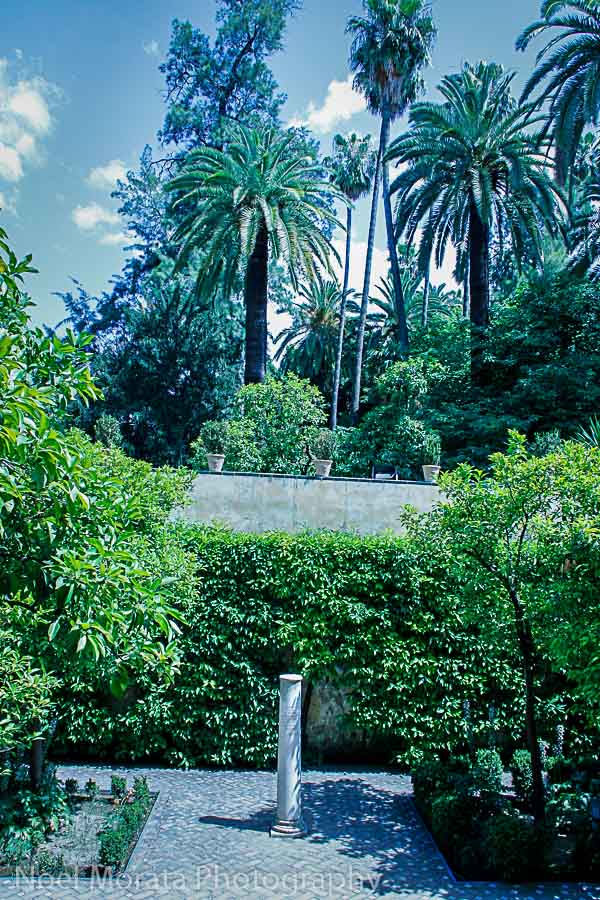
282, 829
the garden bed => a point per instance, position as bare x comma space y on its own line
95, 833
486, 832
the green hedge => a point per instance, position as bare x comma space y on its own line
328, 605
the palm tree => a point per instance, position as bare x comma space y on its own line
390, 46
352, 166
385, 317
257, 201
567, 71
308, 345
471, 164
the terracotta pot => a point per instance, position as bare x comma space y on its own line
430, 473
215, 461
322, 467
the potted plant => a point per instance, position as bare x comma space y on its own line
322, 451
432, 451
213, 439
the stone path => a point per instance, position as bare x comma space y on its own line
208, 838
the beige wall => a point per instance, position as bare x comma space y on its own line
285, 503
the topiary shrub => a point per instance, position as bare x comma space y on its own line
487, 773
522, 777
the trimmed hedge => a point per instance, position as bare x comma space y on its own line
328, 605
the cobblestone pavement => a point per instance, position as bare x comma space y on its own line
207, 837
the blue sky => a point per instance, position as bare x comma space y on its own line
80, 96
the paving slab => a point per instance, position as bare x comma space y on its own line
207, 839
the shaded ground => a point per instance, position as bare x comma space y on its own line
207, 837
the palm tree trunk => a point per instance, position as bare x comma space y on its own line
479, 289
340, 344
364, 303
256, 300
466, 298
426, 289
391, 238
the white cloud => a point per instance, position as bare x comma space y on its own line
106, 177
11, 168
91, 216
8, 203
28, 103
25, 118
113, 238
341, 103
151, 48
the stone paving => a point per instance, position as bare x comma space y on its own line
207, 837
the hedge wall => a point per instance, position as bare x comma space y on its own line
327, 605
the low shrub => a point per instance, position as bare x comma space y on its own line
118, 786
124, 826
513, 847
522, 777
487, 773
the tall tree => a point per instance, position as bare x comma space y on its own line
352, 166
471, 164
165, 361
308, 345
228, 82
391, 44
257, 202
567, 72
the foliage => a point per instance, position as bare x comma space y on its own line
209, 87
262, 199
307, 346
323, 445
165, 362
471, 165
392, 431
508, 536
514, 848
213, 438
124, 826
107, 431
260, 182
591, 434
502, 169
391, 44
487, 773
69, 574
432, 450
522, 777
27, 816
271, 427
567, 71
254, 605
25, 698
352, 164
118, 786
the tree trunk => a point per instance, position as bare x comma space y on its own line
364, 304
526, 646
256, 298
466, 300
425, 309
479, 289
340, 344
391, 239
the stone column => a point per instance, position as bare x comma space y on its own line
289, 822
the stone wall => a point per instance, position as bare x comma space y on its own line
258, 503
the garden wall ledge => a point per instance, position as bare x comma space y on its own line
258, 503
